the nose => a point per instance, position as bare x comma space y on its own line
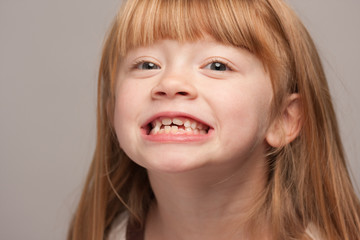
170, 87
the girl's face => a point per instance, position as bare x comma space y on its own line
181, 107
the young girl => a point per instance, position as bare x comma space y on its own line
214, 122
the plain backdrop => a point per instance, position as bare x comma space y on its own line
49, 56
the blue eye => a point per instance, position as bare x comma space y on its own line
217, 66
147, 66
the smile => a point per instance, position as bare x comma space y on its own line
176, 125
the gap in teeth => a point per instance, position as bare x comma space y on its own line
177, 126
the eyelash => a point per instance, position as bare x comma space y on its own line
137, 63
216, 60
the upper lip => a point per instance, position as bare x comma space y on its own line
173, 115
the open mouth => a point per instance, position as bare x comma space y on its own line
176, 125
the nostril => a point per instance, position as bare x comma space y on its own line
173, 89
161, 93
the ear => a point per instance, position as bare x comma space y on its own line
287, 126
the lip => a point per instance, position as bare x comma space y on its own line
181, 138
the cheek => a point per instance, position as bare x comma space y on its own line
127, 93
120, 122
246, 112
126, 107
122, 113
130, 97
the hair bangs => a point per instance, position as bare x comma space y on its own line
142, 23
247, 24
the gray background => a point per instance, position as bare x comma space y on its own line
49, 56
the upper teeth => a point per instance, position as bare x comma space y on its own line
166, 121
177, 121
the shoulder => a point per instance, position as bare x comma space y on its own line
313, 232
118, 227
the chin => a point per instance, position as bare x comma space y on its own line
172, 163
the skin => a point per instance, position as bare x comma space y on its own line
203, 186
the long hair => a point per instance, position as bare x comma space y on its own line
308, 181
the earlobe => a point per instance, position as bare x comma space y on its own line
287, 126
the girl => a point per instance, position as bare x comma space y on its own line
214, 122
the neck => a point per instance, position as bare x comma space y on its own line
215, 202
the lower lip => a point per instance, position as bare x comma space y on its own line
179, 138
